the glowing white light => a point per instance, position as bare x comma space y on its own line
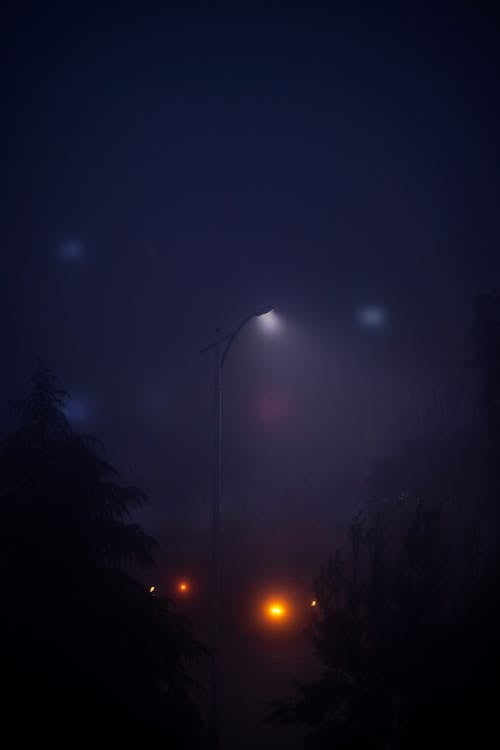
269, 322
372, 316
71, 250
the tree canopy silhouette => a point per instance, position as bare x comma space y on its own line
404, 651
406, 627
90, 658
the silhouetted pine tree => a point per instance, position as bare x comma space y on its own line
90, 658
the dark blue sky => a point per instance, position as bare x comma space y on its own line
167, 172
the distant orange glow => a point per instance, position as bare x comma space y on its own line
152, 589
314, 603
183, 587
276, 610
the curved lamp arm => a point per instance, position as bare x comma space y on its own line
230, 337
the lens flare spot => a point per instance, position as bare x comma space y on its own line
372, 316
272, 407
71, 250
75, 411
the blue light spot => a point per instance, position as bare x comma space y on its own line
372, 316
71, 250
75, 412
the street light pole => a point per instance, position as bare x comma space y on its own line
217, 493
221, 347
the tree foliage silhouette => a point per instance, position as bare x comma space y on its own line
404, 655
90, 658
406, 627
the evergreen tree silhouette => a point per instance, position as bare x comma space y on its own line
90, 658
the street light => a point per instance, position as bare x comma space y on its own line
220, 346
183, 587
276, 610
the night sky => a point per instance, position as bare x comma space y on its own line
168, 172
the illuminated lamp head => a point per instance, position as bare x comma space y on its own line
261, 311
268, 320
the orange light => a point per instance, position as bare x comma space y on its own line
314, 603
276, 610
183, 587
